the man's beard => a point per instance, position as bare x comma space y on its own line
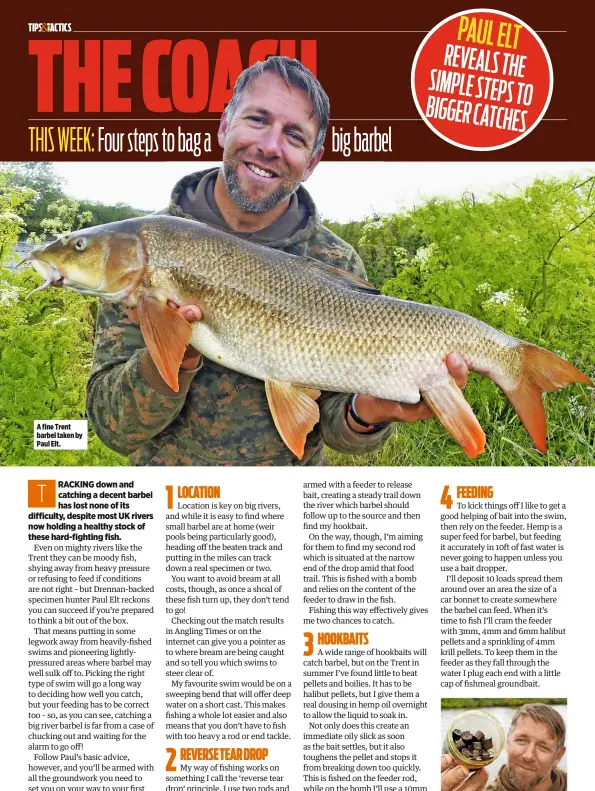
516, 783
230, 177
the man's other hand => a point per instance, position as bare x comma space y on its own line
379, 410
190, 313
454, 776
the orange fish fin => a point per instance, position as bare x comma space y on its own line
166, 334
295, 412
448, 403
542, 370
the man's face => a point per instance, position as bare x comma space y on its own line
267, 145
532, 753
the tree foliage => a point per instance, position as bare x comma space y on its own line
15, 202
349, 231
101, 213
50, 211
64, 215
46, 187
384, 243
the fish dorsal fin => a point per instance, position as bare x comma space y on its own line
448, 403
295, 412
166, 334
350, 279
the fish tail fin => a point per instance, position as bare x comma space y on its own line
448, 403
542, 370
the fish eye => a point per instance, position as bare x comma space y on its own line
80, 244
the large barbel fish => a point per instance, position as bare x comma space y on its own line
300, 325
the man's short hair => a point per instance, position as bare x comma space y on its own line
540, 712
292, 72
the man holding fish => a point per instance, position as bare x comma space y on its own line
272, 133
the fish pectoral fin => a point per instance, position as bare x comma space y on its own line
295, 412
448, 403
166, 334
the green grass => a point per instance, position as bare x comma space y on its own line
97, 455
571, 435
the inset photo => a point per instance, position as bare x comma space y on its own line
503, 744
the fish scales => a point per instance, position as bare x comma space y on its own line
298, 324
275, 316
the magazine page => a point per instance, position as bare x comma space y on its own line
296, 399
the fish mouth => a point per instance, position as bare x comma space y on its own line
51, 276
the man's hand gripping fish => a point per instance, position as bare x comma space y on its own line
300, 325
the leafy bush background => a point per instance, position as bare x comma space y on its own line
46, 342
523, 263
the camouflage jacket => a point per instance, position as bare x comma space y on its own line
501, 783
219, 416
